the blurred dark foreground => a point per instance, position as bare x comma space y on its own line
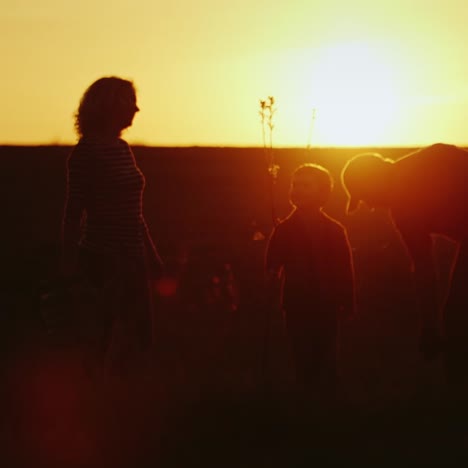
183, 411
55, 416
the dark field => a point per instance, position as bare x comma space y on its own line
213, 400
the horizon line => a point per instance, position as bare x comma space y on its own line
220, 146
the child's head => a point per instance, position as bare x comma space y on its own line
311, 187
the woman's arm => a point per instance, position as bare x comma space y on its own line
155, 263
73, 213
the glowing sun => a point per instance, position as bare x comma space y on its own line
351, 90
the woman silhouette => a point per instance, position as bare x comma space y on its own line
104, 234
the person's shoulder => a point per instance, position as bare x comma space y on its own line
284, 227
84, 147
337, 232
79, 152
78, 147
121, 144
333, 223
290, 221
104, 148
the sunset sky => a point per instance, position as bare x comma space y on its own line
378, 72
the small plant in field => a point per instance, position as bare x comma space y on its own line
267, 111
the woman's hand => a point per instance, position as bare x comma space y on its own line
155, 267
154, 263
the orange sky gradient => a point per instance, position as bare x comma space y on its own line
378, 73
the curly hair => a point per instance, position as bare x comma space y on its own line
105, 107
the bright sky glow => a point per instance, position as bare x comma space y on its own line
392, 72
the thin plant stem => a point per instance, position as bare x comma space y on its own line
267, 111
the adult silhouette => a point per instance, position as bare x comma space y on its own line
105, 236
426, 193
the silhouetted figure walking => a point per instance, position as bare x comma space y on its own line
310, 274
426, 193
105, 236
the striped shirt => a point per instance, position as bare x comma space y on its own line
104, 199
